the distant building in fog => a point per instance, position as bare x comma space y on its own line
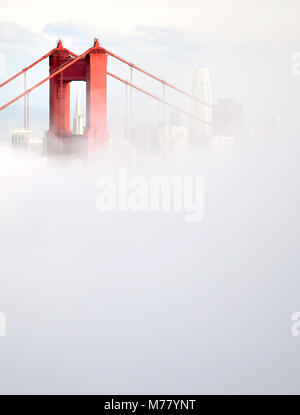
227, 121
179, 133
163, 140
173, 138
227, 117
163, 135
78, 128
143, 139
37, 146
20, 139
179, 139
202, 90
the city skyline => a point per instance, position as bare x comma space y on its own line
172, 136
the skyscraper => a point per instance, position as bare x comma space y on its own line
202, 90
228, 116
20, 139
78, 128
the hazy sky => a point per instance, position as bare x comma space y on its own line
229, 20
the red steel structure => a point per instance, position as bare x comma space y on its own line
90, 67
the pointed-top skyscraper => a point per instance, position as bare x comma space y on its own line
78, 128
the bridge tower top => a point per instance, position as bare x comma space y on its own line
96, 43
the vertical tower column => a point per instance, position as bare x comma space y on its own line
96, 102
59, 99
63, 118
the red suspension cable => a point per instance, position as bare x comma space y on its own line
156, 97
46, 79
28, 67
156, 78
33, 64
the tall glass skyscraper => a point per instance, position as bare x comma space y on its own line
202, 90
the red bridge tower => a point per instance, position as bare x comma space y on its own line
91, 69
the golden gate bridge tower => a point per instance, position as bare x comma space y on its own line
90, 67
